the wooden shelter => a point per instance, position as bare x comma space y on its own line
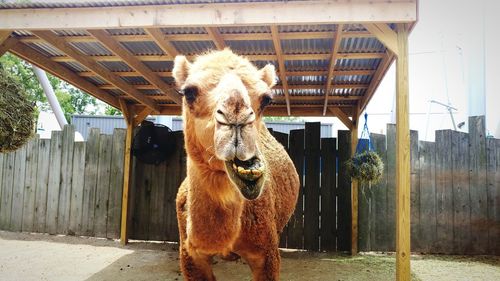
330, 57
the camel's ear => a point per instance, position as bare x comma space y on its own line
268, 75
181, 70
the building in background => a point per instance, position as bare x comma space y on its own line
107, 124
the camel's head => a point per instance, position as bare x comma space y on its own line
224, 98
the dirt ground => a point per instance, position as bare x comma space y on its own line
46, 257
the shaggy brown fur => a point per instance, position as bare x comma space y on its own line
214, 218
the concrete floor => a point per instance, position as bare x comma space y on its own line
47, 257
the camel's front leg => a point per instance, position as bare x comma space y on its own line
195, 267
265, 266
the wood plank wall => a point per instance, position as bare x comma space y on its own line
455, 200
66, 187
60, 186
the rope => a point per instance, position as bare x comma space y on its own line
364, 142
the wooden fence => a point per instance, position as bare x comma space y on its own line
60, 186
66, 187
455, 194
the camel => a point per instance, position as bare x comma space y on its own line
241, 186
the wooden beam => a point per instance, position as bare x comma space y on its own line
317, 98
115, 47
403, 272
377, 78
206, 37
161, 39
141, 116
215, 14
6, 45
126, 111
216, 37
127, 171
290, 87
288, 73
331, 65
281, 64
40, 60
92, 65
342, 117
384, 34
354, 186
319, 56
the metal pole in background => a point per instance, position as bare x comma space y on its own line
51, 96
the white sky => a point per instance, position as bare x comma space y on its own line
446, 52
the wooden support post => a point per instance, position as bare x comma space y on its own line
5, 43
354, 187
402, 158
126, 110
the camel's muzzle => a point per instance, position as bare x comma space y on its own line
248, 176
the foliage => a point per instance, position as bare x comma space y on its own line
282, 118
17, 113
109, 110
71, 99
366, 167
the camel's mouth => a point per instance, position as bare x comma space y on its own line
248, 176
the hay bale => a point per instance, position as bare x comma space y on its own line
17, 114
366, 167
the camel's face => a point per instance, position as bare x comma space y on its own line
225, 96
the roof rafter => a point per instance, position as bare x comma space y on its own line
161, 39
250, 57
281, 65
38, 59
341, 116
207, 37
91, 64
216, 37
331, 65
115, 47
384, 34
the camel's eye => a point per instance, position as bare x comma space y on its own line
190, 93
265, 100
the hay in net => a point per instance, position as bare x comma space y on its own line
17, 114
366, 167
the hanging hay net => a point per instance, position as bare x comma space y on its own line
17, 114
366, 166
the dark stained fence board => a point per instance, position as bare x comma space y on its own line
157, 212
478, 186
282, 138
415, 192
116, 184
2, 158
90, 184
311, 190
328, 194
16, 217
102, 191
391, 187
142, 198
54, 182
8, 181
444, 192
296, 223
493, 224
42, 183
378, 193
496, 229
427, 160
461, 196
77, 184
68, 141
30, 184
343, 193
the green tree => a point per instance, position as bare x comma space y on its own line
71, 99
109, 110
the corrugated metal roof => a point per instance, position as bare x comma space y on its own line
352, 79
306, 65
16, 4
74, 66
356, 64
160, 65
143, 48
308, 28
193, 47
307, 46
116, 66
244, 29
91, 48
136, 80
183, 30
261, 47
361, 45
